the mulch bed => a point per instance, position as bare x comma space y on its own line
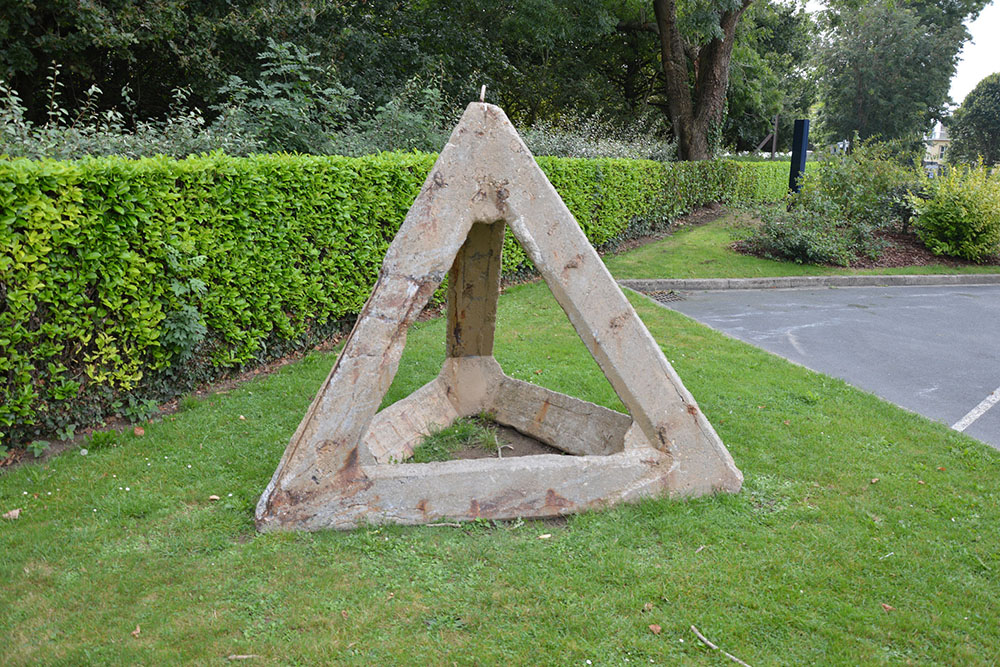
906, 249
903, 249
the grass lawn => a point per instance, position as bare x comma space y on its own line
703, 252
795, 569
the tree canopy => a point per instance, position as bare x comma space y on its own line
884, 67
975, 127
709, 73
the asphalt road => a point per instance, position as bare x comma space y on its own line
932, 350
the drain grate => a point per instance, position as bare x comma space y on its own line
666, 296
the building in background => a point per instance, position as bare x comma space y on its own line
937, 147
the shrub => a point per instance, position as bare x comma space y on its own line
866, 186
961, 216
805, 236
761, 181
184, 131
593, 137
295, 105
413, 120
131, 281
843, 202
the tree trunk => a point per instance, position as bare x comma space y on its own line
695, 109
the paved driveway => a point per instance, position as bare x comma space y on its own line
933, 350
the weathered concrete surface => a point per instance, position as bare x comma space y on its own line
470, 386
526, 486
332, 473
473, 290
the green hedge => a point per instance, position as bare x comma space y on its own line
763, 181
124, 281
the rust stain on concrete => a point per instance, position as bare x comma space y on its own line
555, 501
542, 411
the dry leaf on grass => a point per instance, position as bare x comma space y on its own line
139, 431
545, 536
888, 607
655, 629
136, 632
213, 497
648, 606
13, 514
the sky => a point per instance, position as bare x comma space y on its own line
979, 58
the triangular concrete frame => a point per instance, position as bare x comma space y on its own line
341, 468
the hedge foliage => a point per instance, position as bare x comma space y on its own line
961, 214
123, 281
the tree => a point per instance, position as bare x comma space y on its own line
696, 48
975, 127
538, 58
769, 74
151, 46
882, 72
885, 67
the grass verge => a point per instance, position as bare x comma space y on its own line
795, 569
703, 252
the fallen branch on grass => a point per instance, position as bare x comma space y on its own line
706, 642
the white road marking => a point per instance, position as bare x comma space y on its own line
793, 340
978, 411
795, 343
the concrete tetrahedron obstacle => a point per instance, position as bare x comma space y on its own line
343, 466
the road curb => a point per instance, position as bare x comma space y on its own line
799, 282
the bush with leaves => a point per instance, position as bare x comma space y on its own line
86, 132
593, 137
295, 105
413, 120
805, 235
843, 202
961, 214
867, 185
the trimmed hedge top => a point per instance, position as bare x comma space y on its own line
124, 281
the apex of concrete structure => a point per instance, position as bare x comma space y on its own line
342, 467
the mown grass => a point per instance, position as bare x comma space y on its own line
703, 252
794, 569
